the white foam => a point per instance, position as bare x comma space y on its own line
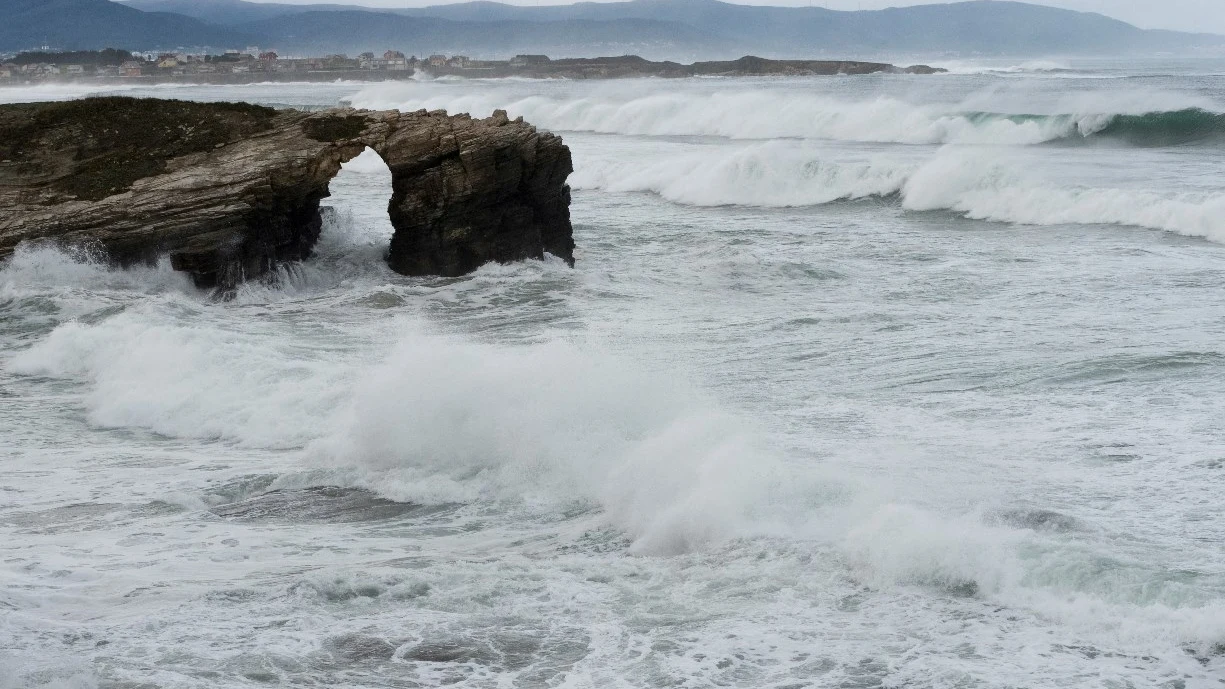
745, 113
56, 92
980, 183
981, 186
773, 174
50, 671
899, 544
439, 420
43, 268
1028, 67
443, 420
742, 115
145, 370
80, 89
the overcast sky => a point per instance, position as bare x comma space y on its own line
1183, 15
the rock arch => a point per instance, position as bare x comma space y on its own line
230, 190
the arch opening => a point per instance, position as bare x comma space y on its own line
356, 222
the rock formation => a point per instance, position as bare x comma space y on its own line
229, 190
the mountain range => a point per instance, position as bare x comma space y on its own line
661, 29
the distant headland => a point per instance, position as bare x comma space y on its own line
263, 66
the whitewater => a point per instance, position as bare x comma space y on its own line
877, 381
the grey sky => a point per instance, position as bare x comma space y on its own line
1182, 15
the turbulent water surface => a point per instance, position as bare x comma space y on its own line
883, 381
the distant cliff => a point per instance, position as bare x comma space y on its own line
230, 190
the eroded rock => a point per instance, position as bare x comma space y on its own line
230, 190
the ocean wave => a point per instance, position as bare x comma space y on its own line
1164, 128
1029, 67
1150, 129
143, 369
39, 268
437, 420
1033, 69
768, 114
447, 420
773, 174
735, 115
975, 183
557, 428
73, 90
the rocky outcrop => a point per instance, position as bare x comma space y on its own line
230, 190
757, 66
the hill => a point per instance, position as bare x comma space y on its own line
667, 29
235, 12
355, 31
975, 27
91, 24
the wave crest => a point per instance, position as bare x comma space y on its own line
1165, 128
769, 114
975, 183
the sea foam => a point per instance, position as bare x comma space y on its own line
745, 113
442, 420
978, 183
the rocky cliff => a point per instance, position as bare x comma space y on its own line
229, 190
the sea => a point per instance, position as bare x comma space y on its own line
887, 381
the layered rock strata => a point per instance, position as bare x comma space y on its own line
229, 190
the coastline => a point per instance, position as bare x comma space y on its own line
625, 67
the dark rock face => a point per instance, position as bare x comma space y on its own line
462, 197
756, 66
231, 190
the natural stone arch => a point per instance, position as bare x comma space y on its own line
231, 205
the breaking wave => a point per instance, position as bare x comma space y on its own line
975, 183
437, 420
766, 114
557, 427
1031, 67
1165, 128
1170, 128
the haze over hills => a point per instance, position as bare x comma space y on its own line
352, 32
72, 24
658, 29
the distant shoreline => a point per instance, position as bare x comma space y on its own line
626, 67
631, 66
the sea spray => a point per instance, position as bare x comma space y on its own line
185, 379
982, 187
772, 174
442, 420
747, 115
39, 268
979, 183
988, 117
